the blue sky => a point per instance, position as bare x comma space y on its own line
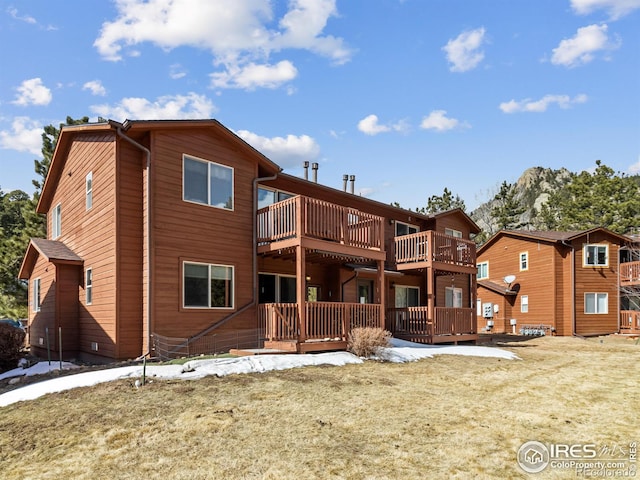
411, 96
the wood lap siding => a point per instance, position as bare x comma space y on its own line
185, 231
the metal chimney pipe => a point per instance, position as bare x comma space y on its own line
314, 167
345, 177
352, 179
306, 169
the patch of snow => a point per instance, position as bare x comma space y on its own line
37, 369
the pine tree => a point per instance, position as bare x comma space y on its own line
507, 209
442, 203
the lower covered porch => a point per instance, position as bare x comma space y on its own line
432, 325
630, 322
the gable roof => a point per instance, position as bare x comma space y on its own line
52, 250
549, 236
138, 127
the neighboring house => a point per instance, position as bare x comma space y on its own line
566, 283
172, 234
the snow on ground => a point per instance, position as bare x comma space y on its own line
37, 369
400, 351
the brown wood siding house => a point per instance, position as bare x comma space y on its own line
179, 230
566, 283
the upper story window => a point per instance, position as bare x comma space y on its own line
483, 270
405, 229
56, 221
269, 196
453, 233
596, 255
207, 182
207, 286
36, 295
524, 261
88, 186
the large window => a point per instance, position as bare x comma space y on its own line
524, 303
36, 295
453, 233
88, 286
453, 297
524, 261
596, 255
268, 196
207, 286
483, 270
88, 187
56, 221
407, 296
597, 303
207, 183
274, 288
405, 229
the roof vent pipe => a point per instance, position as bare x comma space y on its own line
352, 179
314, 167
306, 170
345, 177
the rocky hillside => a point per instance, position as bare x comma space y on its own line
532, 190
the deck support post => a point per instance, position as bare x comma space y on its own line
301, 292
381, 292
431, 302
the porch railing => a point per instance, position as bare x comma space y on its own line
630, 273
629, 320
319, 219
431, 246
324, 320
415, 321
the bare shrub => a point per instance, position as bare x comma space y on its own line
367, 341
11, 343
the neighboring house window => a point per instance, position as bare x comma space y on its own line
88, 183
88, 286
453, 297
405, 229
207, 286
207, 182
524, 261
56, 221
274, 288
407, 296
268, 196
524, 303
596, 255
483, 270
596, 303
36, 295
453, 233
479, 307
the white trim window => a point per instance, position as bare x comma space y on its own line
88, 188
275, 288
596, 303
407, 296
596, 255
207, 183
36, 295
207, 285
524, 303
269, 196
405, 229
483, 270
88, 286
453, 297
56, 221
524, 261
453, 233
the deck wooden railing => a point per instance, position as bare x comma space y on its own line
630, 321
448, 321
630, 273
319, 219
431, 246
324, 320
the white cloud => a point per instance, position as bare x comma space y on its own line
169, 107
528, 105
240, 34
96, 88
463, 52
581, 48
32, 92
635, 168
176, 72
289, 151
24, 18
369, 126
25, 136
437, 120
250, 76
615, 8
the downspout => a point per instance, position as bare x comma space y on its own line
148, 229
573, 286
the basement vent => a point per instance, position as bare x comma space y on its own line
40, 341
94, 346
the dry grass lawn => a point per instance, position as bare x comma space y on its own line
446, 417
